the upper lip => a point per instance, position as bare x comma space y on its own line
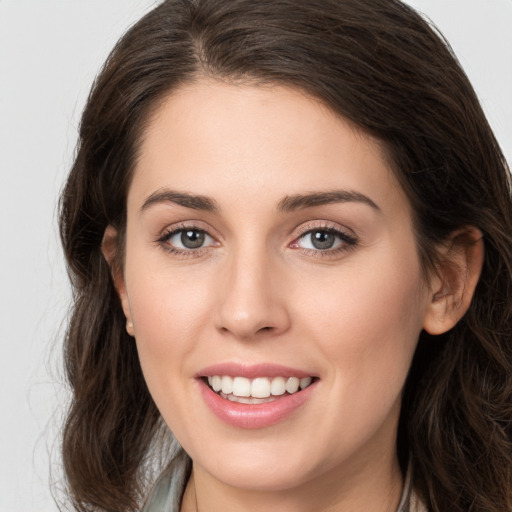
251, 371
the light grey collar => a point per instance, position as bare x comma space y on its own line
166, 494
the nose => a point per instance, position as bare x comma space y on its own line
252, 301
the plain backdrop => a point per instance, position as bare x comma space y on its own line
50, 51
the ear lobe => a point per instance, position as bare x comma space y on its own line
454, 283
109, 248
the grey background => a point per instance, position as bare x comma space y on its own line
50, 51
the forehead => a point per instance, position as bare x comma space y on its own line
213, 137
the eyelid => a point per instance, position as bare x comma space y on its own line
172, 230
346, 235
326, 225
193, 224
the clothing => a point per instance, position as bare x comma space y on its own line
168, 490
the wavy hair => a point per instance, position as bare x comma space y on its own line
380, 65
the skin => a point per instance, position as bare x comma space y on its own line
257, 291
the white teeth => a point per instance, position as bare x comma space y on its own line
278, 386
241, 386
292, 385
305, 382
248, 400
216, 383
227, 384
260, 387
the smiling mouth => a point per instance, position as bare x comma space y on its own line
258, 390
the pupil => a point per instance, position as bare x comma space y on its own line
192, 239
322, 240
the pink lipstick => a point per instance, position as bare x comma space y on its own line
254, 396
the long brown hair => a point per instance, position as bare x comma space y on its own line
379, 64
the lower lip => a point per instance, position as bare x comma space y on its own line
252, 416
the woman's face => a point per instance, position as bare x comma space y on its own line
268, 244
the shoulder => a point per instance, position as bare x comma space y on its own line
415, 504
410, 501
168, 490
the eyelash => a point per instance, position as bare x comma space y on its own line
349, 241
163, 241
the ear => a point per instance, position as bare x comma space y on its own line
109, 248
454, 282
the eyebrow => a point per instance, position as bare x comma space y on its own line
195, 202
287, 204
300, 201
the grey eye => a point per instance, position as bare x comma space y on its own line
322, 239
192, 238
189, 239
325, 240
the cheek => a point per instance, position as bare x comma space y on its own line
169, 316
170, 310
366, 319
365, 322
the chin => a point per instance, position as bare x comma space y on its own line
277, 475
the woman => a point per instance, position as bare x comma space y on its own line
288, 227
